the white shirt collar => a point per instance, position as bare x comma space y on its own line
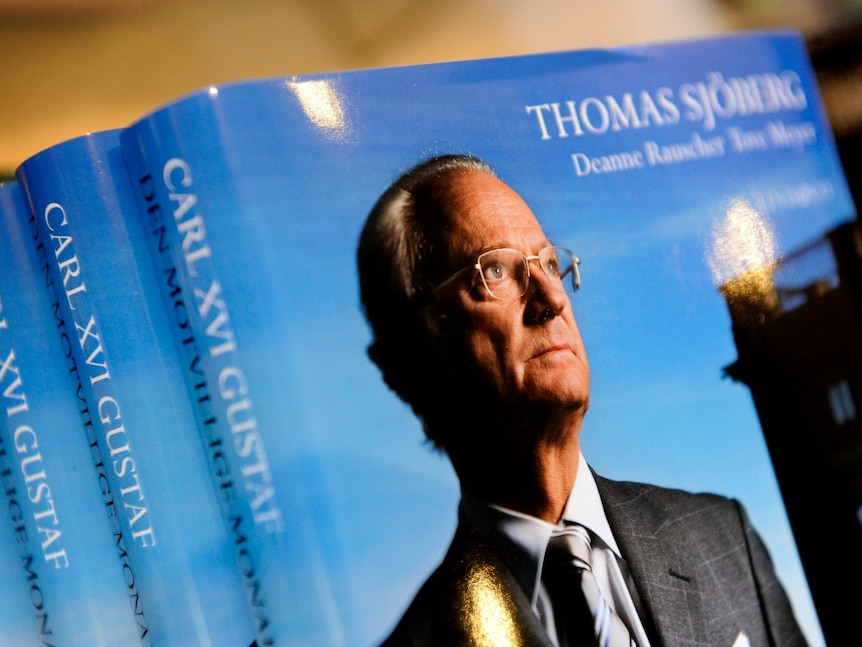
585, 507
523, 539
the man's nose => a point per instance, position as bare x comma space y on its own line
546, 296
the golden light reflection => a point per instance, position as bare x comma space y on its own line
323, 106
489, 612
743, 258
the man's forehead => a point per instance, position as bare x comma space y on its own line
485, 213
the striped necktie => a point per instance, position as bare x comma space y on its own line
582, 616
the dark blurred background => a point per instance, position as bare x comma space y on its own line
74, 66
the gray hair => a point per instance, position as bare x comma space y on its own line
394, 255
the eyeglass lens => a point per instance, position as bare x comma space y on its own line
505, 272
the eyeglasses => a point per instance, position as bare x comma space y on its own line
506, 272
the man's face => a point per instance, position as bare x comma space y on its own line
527, 350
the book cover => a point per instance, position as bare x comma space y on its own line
16, 615
169, 534
67, 566
668, 169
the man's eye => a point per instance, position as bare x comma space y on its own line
552, 267
495, 272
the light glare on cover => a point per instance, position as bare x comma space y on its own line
743, 253
322, 105
489, 612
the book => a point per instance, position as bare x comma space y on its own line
16, 615
169, 535
653, 163
66, 567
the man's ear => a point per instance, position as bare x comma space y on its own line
414, 380
436, 324
410, 367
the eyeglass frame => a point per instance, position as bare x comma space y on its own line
574, 269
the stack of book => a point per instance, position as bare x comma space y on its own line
182, 345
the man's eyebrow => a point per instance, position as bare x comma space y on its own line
471, 256
502, 245
491, 247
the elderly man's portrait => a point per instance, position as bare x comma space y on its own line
473, 312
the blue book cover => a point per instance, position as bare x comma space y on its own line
67, 567
668, 169
16, 614
170, 537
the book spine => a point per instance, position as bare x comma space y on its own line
218, 444
64, 541
278, 554
18, 598
143, 429
72, 558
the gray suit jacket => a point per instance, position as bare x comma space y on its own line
701, 576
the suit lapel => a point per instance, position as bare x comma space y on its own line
666, 585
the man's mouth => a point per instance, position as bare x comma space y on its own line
552, 349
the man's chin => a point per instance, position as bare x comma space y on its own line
563, 407
564, 389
